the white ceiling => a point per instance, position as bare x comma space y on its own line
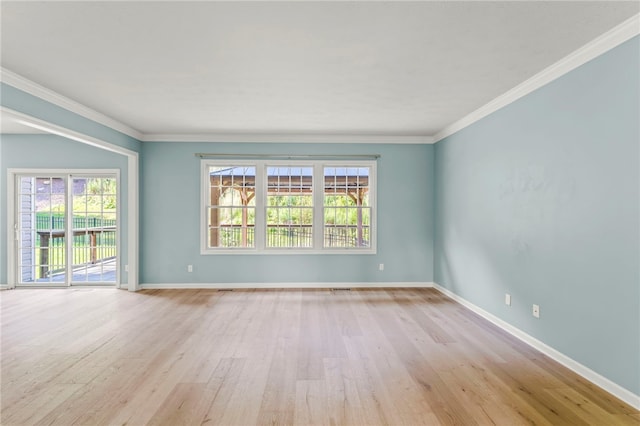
359, 68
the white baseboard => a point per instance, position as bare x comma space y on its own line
4, 286
287, 285
595, 378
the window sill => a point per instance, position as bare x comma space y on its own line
285, 252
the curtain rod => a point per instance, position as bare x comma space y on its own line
289, 157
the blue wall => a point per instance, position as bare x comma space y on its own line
170, 229
54, 152
541, 200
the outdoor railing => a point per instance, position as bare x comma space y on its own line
47, 221
94, 240
294, 236
90, 246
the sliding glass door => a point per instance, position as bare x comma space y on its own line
66, 229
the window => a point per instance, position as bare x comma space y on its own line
232, 206
347, 211
288, 206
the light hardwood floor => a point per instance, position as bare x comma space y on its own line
172, 357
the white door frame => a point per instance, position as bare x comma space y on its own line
132, 206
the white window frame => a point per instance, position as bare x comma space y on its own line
261, 207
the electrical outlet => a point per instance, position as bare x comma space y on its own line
536, 311
381, 267
126, 268
507, 299
189, 268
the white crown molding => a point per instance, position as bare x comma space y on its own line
21, 83
32, 88
607, 41
287, 138
595, 378
166, 286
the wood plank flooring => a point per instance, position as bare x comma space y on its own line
278, 357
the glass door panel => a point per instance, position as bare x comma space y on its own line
94, 230
41, 224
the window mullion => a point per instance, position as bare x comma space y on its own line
260, 226
318, 206
205, 200
68, 226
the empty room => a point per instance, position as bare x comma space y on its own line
320, 213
